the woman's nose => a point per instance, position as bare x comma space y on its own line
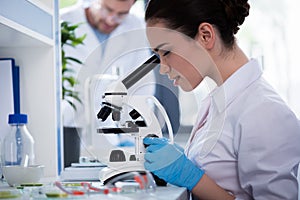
164, 68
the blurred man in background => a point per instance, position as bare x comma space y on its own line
115, 45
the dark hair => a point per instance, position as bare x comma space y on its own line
186, 15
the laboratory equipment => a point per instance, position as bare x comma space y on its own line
18, 144
134, 115
16, 175
88, 171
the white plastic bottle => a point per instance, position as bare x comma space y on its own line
18, 145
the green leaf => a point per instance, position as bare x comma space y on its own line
73, 59
69, 38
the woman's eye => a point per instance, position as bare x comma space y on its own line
166, 53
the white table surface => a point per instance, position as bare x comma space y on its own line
169, 192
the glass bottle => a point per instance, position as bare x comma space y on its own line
18, 145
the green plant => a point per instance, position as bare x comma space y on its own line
69, 38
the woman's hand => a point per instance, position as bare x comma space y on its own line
168, 162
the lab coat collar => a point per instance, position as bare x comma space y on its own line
223, 95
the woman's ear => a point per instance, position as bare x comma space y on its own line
206, 35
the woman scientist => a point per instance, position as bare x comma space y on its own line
245, 143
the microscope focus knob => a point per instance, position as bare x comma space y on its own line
150, 135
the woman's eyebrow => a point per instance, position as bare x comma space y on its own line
159, 46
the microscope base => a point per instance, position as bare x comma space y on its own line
108, 173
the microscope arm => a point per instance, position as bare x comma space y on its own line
165, 116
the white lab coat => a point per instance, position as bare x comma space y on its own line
126, 49
250, 142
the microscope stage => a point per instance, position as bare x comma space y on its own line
118, 130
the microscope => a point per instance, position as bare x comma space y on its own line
140, 122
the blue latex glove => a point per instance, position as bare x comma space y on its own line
169, 163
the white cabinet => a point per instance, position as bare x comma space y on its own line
29, 33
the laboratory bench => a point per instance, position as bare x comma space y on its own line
33, 192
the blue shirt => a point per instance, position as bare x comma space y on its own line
102, 37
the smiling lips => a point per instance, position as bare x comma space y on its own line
175, 79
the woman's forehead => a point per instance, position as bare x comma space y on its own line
158, 34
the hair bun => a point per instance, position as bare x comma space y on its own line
236, 12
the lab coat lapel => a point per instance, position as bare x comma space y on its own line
202, 117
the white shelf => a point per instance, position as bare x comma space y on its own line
46, 5
14, 34
29, 34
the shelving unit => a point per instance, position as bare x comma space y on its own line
29, 33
